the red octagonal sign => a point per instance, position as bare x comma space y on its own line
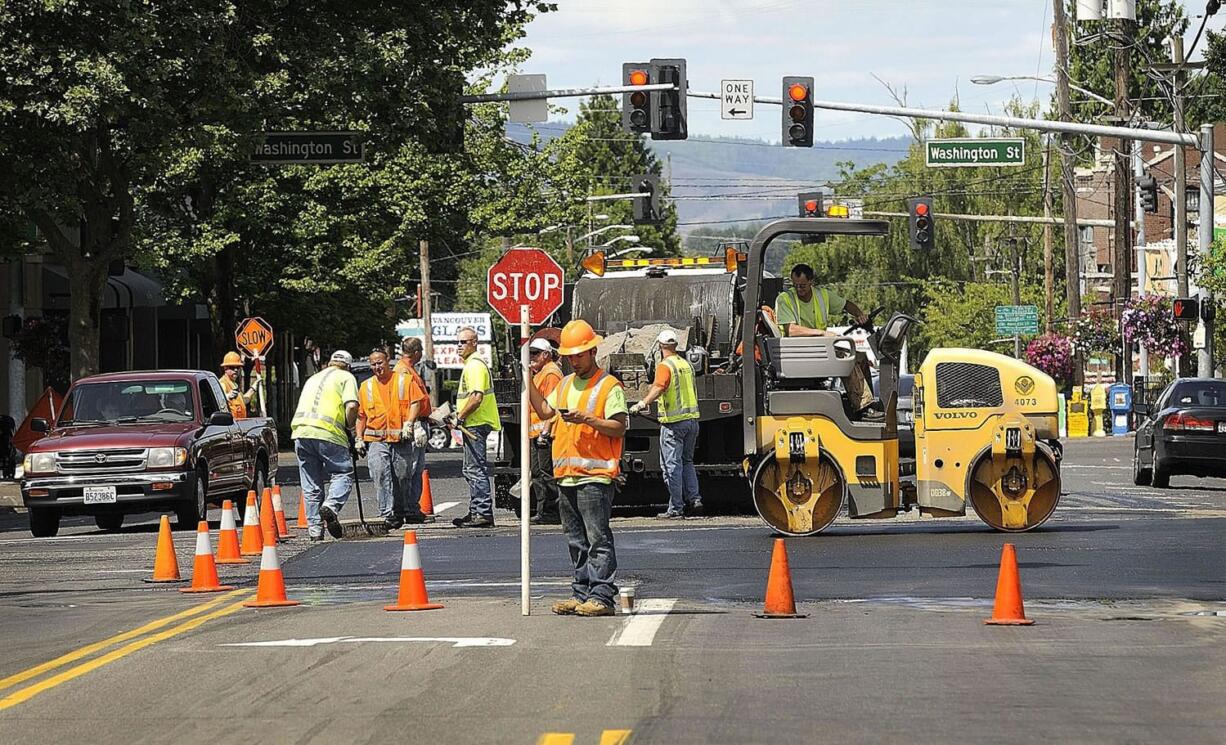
525, 276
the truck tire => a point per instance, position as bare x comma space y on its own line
189, 514
44, 522
109, 521
260, 480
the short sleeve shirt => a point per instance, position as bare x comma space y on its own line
476, 377
784, 314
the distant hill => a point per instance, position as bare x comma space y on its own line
721, 180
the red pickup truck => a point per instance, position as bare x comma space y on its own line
143, 441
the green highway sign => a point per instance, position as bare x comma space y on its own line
309, 148
1014, 320
968, 152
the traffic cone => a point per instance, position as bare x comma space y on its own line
238, 518
227, 538
270, 592
268, 521
165, 563
204, 571
302, 523
427, 498
1008, 610
779, 600
253, 540
412, 582
278, 512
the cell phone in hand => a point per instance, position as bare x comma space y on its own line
563, 411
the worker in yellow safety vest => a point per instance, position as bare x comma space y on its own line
232, 385
327, 409
546, 375
476, 416
388, 433
589, 415
674, 387
805, 310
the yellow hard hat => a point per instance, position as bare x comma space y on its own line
231, 360
578, 337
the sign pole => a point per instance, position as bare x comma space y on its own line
525, 469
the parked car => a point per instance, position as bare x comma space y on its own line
1182, 432
139, 441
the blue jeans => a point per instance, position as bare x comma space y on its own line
390, 466
320, 461
585, 511
477, 471
677, 442
417, 466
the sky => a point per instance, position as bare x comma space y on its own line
928, 48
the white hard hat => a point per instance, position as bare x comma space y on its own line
667, 338
540, 344
342, 357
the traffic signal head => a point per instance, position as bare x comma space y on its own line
647, 209
668, 110
636, 105
1148, 188
810, 203
797, 111
921, 228
1185, 309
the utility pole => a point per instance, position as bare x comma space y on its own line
1015, 279
427, 341
1072, 239
1181, 173
1123, 201
1138, 170
1204, 357
1049, 273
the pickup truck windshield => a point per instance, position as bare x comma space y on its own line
129, 401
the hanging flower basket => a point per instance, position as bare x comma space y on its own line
1149, 321
1053, 354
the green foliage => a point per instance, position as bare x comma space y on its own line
963, 314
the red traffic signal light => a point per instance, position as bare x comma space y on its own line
798, 92
1185, 308
811, 207
638, 77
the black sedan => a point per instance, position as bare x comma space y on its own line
1183, 432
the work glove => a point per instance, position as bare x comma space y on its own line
452, 422
360, 447
638, 407
406, 432
420, 436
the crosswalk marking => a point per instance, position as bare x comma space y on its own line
442, 507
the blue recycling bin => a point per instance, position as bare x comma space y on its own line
1119, 402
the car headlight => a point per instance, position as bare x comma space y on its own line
166, 457
38, 463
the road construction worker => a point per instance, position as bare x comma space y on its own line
589, 415
410, 364
674, 387
542, 360
477, 416
232, 384
326, 410
805, 310
388, 434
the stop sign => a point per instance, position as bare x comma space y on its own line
525, 276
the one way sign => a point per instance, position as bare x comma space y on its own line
736, 99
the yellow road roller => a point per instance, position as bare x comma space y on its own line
985, 424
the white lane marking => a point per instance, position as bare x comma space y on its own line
478, 583
1108, 468
454, 641
442, 507
640, 629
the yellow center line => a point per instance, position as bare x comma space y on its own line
25, 694
89, 649
615, 737
556, 738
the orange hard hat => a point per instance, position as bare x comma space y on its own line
577, 337
231, 360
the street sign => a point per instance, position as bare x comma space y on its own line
447, 326
534, 110
1014, 320
310, 148
254, 336
968, 152
525, 276
736, 99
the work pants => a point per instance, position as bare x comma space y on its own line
585, 512
417, 466
391, 465
477, 471
859, 389
320, 462
544, 487
677, 443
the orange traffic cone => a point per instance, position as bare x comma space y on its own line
227, 538
270, 593
302, 523
165, 563
204, 571
779, 600
268, 521
427, 498
412, 582
253, 540
278, 511
1008, 610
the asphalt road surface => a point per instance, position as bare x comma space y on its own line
1125, 584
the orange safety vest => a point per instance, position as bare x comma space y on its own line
579, 450
384, 418
234, 398
545, 381
424, 408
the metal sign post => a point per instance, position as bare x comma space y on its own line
525, 469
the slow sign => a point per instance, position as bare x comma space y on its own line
254, 336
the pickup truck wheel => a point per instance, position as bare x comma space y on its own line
189, 514
261, 479
110, 521
44, 522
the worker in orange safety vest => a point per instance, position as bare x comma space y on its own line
232, 384
388, 433
546, 375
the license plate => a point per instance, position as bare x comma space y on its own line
99, 495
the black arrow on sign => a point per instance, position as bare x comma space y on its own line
734, 112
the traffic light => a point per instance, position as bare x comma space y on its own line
1208, 312
922, 228
1185, 309
797, 111
647, 209
636, 105
668, 108
810, 204
1148, 188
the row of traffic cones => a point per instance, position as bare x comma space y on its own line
1007, 607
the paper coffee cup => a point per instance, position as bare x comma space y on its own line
627, 600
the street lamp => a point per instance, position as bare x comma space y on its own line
606, 228
632, 249
993, 79
626, 238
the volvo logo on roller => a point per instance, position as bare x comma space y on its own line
525, 277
